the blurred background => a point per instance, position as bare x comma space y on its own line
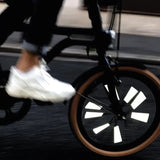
140, 19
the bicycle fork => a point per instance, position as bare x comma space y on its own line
112, 82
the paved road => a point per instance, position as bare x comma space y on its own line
45, 134
131, 45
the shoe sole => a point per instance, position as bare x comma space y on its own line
24, 93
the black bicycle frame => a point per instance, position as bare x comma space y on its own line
94, 14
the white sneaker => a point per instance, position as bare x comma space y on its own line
43, 64
38, 84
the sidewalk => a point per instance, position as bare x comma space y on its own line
72, 15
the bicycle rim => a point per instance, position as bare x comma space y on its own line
93, 125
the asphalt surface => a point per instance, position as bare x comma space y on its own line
141, 46
45, 134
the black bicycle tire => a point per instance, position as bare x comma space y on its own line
82, 85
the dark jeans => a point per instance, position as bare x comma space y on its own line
43, 15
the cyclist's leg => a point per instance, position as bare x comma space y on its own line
40, 31
43, 18
28, 74
102, 39
94, 15
13, 16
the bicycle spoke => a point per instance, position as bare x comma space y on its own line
116, 91
117, 135
95, 104
117, 94
93, 115
140, 98
130, 94
143, 117
101, 128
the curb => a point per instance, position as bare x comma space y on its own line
80, 53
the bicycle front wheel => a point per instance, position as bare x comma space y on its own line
94, 123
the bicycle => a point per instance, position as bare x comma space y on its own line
112, 100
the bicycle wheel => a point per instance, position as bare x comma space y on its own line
94, 123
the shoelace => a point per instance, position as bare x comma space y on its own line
43, 65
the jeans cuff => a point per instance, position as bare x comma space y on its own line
33, 48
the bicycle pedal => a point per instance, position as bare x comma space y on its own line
41, 103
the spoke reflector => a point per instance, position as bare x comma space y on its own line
117, 94
93, 106
106, 87
138, 100
131, 93
93, 115
117, 135
100, 128
143, 117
